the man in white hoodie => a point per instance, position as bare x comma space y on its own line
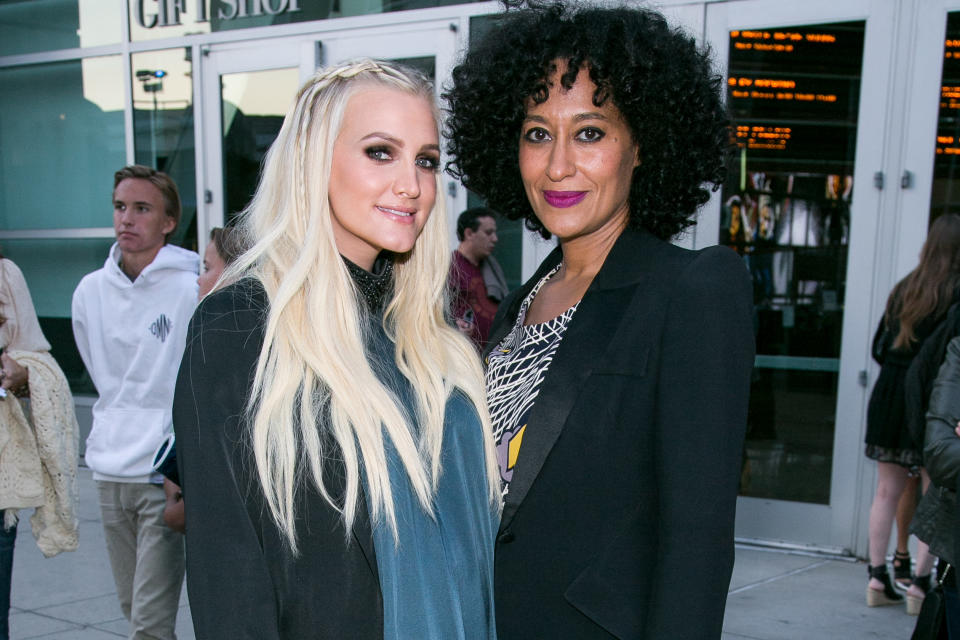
130, 322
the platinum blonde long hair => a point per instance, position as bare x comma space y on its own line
313, 379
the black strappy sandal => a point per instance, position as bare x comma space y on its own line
902, 578
889, 595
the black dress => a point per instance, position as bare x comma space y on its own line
888, 439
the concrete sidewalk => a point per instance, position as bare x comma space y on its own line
774, 595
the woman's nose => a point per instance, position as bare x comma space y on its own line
560, 164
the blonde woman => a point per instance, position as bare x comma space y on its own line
339, 476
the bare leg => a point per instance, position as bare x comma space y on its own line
906, 507
905, 510
891, 479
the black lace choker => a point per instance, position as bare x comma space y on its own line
375, 286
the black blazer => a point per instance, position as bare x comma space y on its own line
242, 580
619, 518
941, 457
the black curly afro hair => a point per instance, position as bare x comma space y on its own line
662, 83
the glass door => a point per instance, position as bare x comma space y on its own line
930, 176
247, 89
800, 206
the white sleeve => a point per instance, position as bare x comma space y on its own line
79, 322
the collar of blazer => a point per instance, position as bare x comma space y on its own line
632, 255
605, 306
363, 534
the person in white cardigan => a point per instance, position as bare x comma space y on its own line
38, 434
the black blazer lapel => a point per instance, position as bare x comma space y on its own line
588, 335
360, 531
363, 534
508, 310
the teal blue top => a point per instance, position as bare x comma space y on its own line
438, 582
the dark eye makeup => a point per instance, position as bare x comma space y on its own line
590, 134
379, 153
431, 163
536, 134
587, 134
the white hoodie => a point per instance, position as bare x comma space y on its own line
131, 337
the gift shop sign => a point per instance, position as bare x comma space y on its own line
166, 13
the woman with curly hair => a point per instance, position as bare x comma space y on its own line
339, 475
618, 375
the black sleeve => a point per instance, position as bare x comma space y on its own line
228, 581
702, 399
878, 348
922, 371
941, 450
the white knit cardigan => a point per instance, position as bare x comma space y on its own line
38, 437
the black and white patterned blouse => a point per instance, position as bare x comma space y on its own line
515, 370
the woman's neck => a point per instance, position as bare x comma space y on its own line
583, 256
374, 286
582, 259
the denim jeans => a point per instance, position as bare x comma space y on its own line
7, 538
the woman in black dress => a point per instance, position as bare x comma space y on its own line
915, 307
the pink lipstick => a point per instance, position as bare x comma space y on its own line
563, 199
400, 214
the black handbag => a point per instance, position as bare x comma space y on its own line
932, 621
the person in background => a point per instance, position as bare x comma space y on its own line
904, 515
618, 376
332, 436
477, 282
38, 457
915, 308
938, 521
222, 249
130, 322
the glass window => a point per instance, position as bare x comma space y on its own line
509, 250
53, 268
62, 130
150, 19
45, 25
163, 127
62, 126
254, 104
480, 26
945, 197
794, 95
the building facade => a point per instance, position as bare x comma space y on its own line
845, 121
